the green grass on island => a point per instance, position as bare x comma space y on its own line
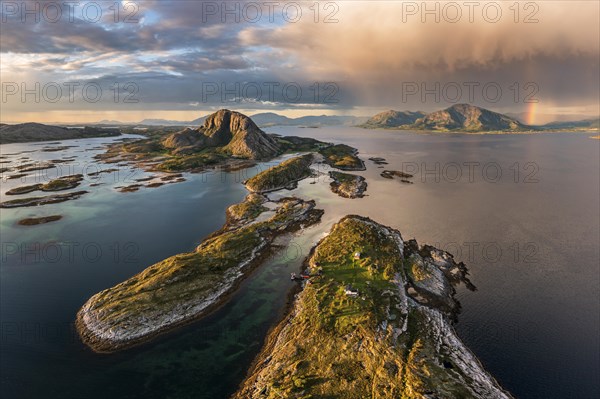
152, 148
373, 344
172, 290
282, 175
249, 209
59, 184
342, 156
347, 185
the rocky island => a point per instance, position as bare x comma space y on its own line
226, 137
374, 315
37, 201
389, 174
457, 118
227, 140
186, 286
373, 321
30, 132
39, 220
348, 185
285, 175
343, 157
60, 184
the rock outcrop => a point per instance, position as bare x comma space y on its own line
347, 185
359, 329
29, 132
236, 133
284, 175
186, 286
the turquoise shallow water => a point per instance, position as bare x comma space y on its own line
530, 238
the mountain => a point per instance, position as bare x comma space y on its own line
393, 119
162, 122
236, 133
266, 119
28, 132
109, 122
271, 119
468, 118
549, 118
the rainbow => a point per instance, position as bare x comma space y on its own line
530, 119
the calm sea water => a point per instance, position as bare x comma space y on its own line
523, 212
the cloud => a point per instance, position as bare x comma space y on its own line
375, 54
372, 52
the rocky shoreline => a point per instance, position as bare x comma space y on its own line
37, 201
60, 184
285, 175
347, 185
374, 310
174, 292
406, 348
39, 220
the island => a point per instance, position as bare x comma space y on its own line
348, 185
183, 287
39, 220
389, 174
30, 132
372, 321
465, 118
285, 175
373, 313
343, 157
227, 141
37, 201
60, 184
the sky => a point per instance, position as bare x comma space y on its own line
72, 62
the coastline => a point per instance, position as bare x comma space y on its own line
498, 132
103, 337
101, 346
108, 337
264, 377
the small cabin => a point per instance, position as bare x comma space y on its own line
351, 291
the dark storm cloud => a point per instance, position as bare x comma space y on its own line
175, 49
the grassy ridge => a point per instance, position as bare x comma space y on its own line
342, 156
282, 175
183, 286
379, 344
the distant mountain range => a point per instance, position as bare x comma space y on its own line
272, 119
459, 117
154, 122
466, 118
581, 124
264, 119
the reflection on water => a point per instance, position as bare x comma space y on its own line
521, 211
